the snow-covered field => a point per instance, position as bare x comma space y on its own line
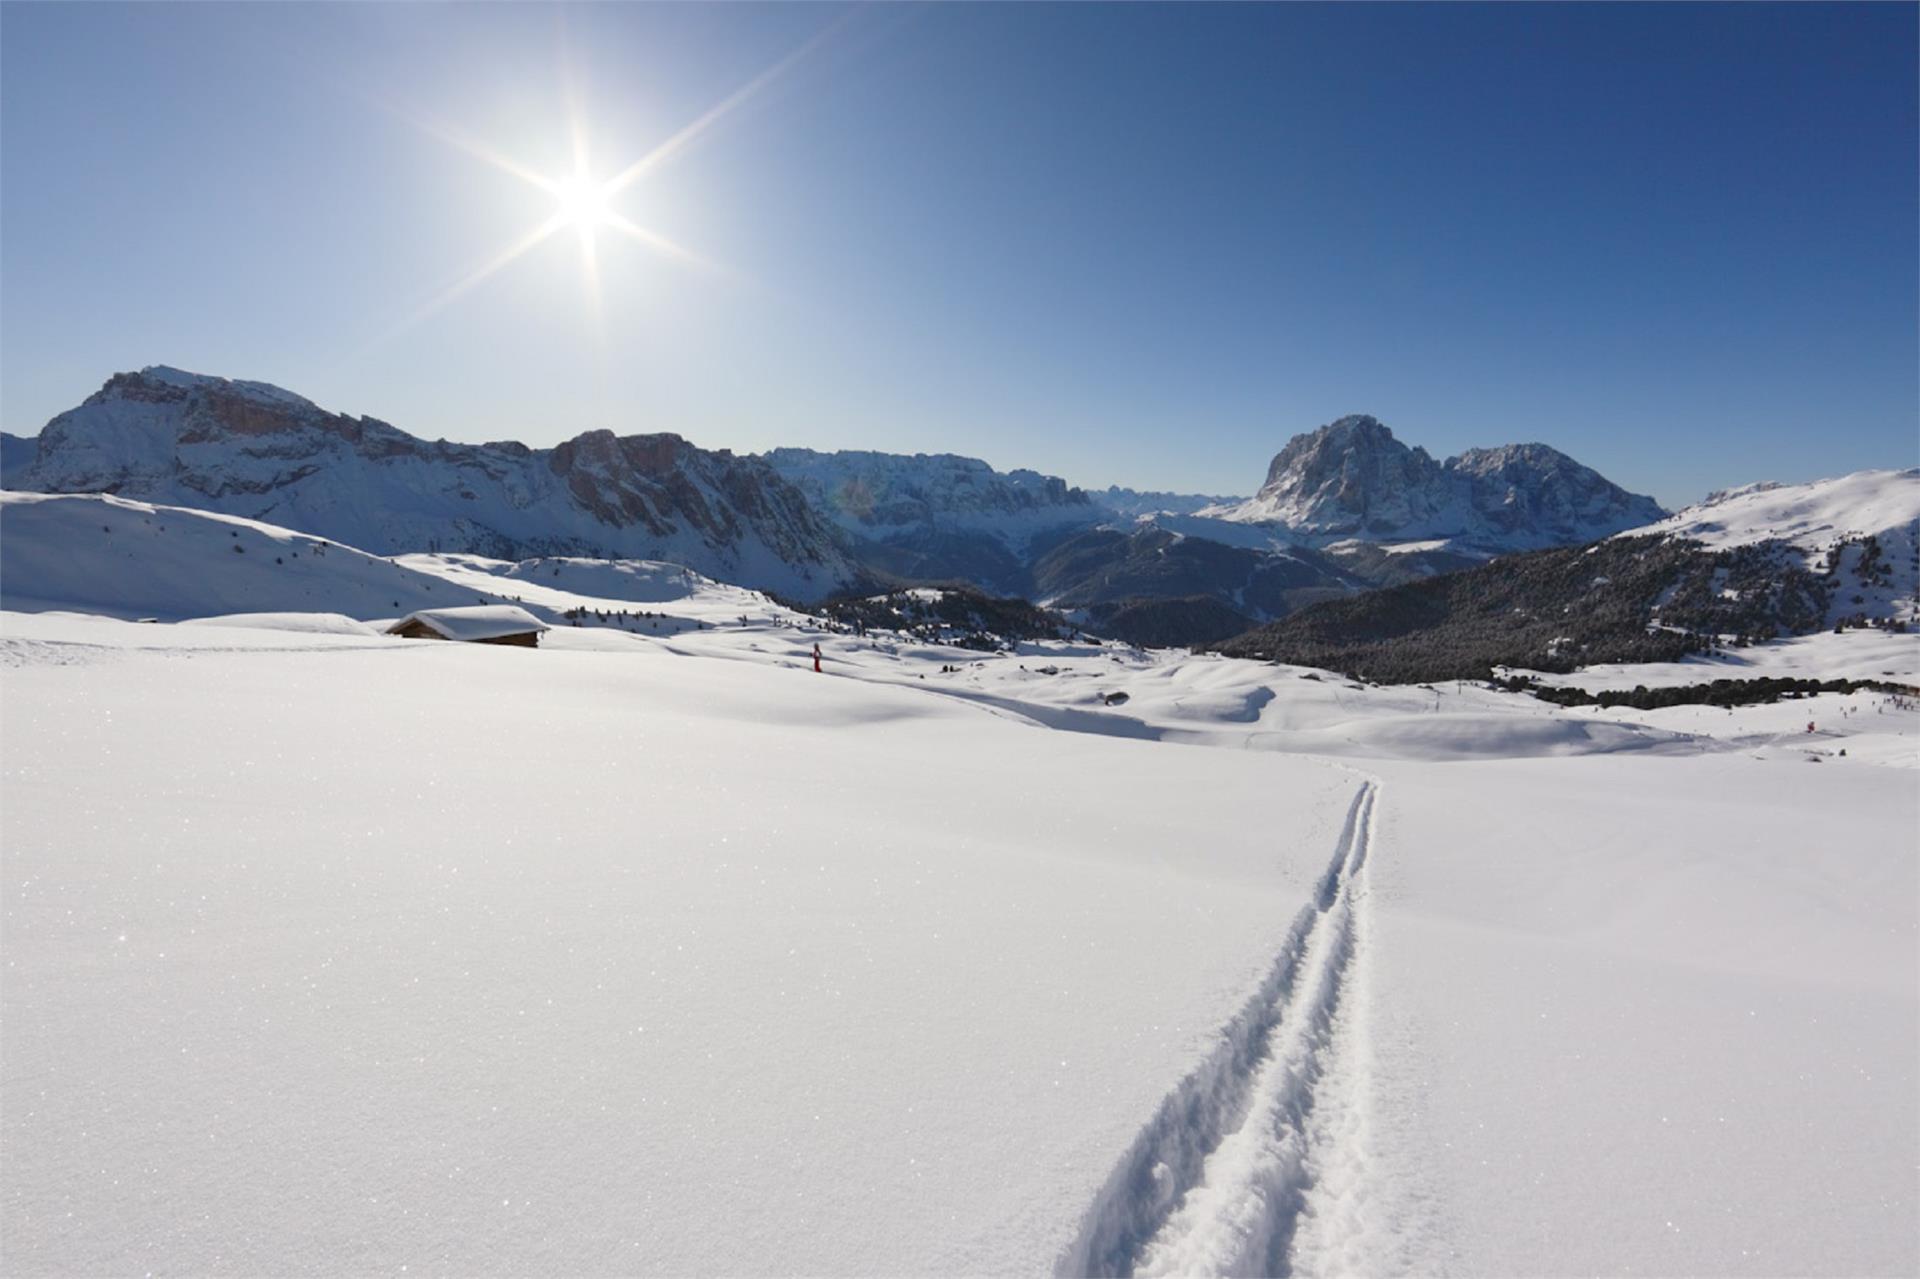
659, 953
1857, 654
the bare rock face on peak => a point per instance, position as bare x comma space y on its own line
250, 449
1352, 480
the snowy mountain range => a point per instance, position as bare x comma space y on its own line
881, 493
796, 521
1351, 479
1134, 503
1344, 509
1747, 565
254, 450
938, 517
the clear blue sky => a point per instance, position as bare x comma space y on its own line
1139, 244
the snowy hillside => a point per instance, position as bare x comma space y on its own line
1862, 530
555, 586
1352, 479
130, 559
117, 558
1865, 653
249, 449
1811, 516
628, 955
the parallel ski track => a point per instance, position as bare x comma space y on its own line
1218, 1182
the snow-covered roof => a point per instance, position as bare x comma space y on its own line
475, 622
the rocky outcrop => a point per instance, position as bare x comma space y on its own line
1351, 479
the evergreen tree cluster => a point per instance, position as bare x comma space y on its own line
1872, 568
959, 616
625, 618
1169, 623
1720, 692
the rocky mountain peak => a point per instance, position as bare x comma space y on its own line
1353, 479
1356, 434
255, 450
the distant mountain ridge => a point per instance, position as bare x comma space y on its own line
938, 516
1343, 509
1748, 564
1353, 479
868, 491
1133, 503
254, 450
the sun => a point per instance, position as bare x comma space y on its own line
583, 202
586, 204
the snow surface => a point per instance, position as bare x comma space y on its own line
560, 583
299, 623
644, 954
629, 963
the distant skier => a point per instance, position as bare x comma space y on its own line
816, 670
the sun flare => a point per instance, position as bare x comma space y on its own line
585, 204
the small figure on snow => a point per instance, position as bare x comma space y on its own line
816, 671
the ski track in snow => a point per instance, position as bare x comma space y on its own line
1258, 1162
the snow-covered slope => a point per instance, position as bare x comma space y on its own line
1811, 516
556, 586
1862, 654
121, 558
1353, 479
1862, 529
592, 962
337, 953
246, 448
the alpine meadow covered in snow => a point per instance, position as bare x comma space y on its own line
667, 804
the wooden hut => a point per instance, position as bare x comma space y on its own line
478, 624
